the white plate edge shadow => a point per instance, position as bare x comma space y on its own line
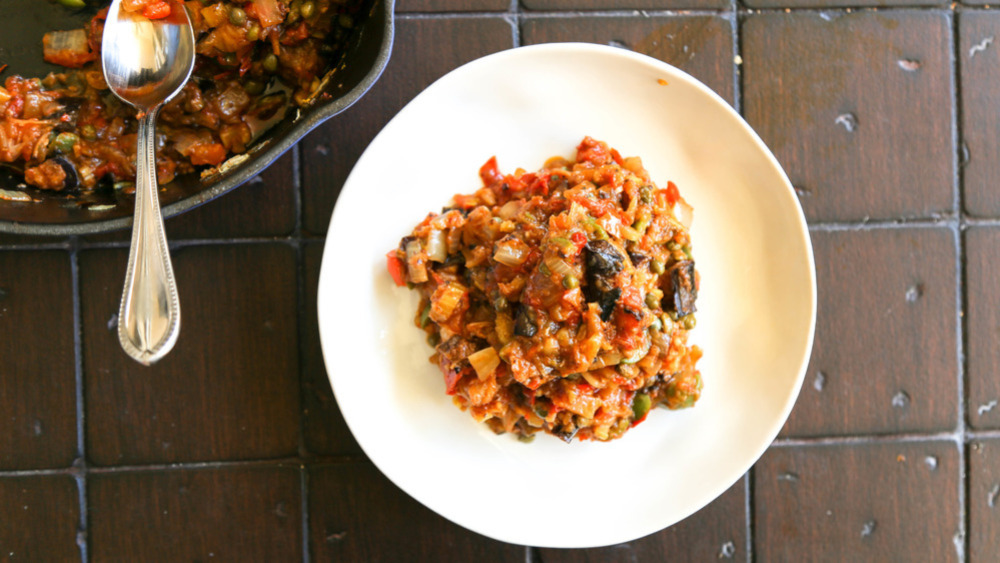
327, 280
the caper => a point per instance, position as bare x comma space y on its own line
656, 267
89, 132
645, 196
570, 281
253, 33
237, 16
270, 62
254, 87
689, 322
307, 9
672, 245
651, 301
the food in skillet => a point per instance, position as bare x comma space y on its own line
67, 132
559, 300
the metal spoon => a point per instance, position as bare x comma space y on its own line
146, 62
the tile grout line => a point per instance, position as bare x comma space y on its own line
736, 31
297, 186
80, 464
962, 541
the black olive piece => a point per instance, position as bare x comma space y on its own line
524, 322
683, 292
72, 181
607, 300
638, 258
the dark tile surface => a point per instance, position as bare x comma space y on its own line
403, 6
984, 500
885, 357
979, 65
982, 246
330, 152
888, 501
566, 5
264, 206
714, 533
699, 45
325, 431
41, 517
356, 514
224, 514
232, 449
228, 390
834, 96
38, 372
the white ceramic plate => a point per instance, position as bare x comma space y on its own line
756, 307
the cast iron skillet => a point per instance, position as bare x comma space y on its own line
20, 48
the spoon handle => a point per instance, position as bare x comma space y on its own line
150, 316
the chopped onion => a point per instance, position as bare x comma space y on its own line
559, 267
509, 209
436, 249
511, 252
445, 300
485, 362
684, 213
67, 48
607, 359
414, 265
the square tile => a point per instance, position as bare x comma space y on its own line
982, 317
325, 431
38, 376
215, 514
714, 533
403, 6
570, 5
329, 153
230, 387
356, 514
41, 516
887, 501
263, 206
772, 4
885, 356
984, 500
699, 45
979, 72
857, 108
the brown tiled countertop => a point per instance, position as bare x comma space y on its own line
887, 121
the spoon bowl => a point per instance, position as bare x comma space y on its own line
147, 62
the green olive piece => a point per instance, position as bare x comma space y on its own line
640, 406
253, 33
651, 301
570, 282
64, 142
689, 322
656, 267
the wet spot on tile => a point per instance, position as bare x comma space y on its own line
909, 65
901, 400
848, 121
819, 382
788, 476
727, 551
868, 528
981, 46
986, 407
914, 292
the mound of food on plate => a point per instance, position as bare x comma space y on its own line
559, 300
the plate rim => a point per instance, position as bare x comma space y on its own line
800, 221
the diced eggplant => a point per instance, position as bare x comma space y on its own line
682, 294
637, 258
603, 258
607, 300
524, 322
